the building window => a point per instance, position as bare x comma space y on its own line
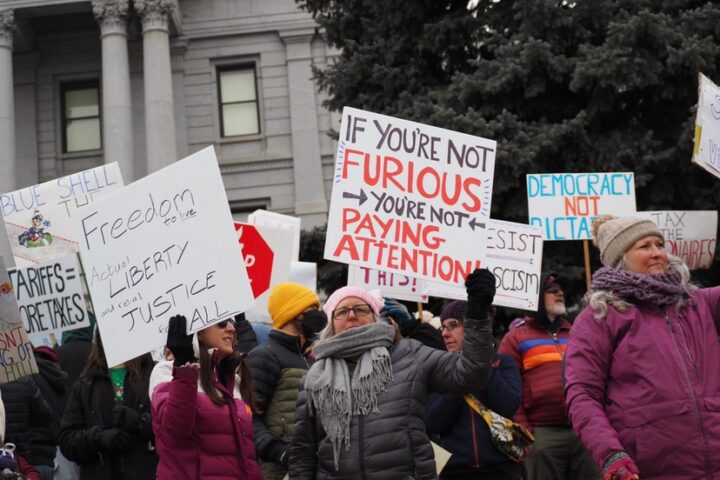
81, 116
237, 91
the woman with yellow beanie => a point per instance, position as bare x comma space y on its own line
277, 367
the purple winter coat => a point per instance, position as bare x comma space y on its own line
196, 438
645, 381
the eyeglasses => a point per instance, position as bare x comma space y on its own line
362, 310
223, 325
450, 325
554, 290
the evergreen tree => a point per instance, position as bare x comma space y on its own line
584, 86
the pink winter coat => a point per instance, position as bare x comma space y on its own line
196, 438
645, 381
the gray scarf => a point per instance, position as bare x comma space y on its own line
329, 388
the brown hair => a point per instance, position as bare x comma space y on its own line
96, 358
207, 372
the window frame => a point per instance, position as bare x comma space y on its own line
219, 69
71, 85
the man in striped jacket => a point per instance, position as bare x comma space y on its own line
538, 346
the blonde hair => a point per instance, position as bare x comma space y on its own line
599, 300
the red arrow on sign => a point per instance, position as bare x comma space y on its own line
258, 257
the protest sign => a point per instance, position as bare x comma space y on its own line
5, 248
514, 256
706, 151
258, 257
39, 219
50, 297
162, 246
16, 355
409, 198
281, 244
564, 204
304, 273
287, 223
690, 235
392, 285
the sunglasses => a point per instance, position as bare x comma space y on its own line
223, 325
450, 325
362, 310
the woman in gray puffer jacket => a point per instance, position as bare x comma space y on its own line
361, 413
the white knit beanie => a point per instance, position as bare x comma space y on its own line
614, 236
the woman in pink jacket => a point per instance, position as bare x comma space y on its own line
201, 407
642, 387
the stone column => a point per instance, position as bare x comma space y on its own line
157, 75
8, 175
310, 201
116, 101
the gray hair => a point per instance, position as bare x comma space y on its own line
599, 300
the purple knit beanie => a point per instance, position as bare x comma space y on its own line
456, 310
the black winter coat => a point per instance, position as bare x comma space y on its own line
52, 382
392, 444
90, 410
245, 337
25, 409
267, 362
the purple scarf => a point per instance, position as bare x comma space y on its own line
660, 289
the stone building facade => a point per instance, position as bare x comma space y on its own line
146, 82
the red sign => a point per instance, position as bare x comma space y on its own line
258, 257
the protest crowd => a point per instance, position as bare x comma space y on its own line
356, 387
134, 345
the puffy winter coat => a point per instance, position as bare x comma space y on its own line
538, 353
196, 438
25, 409
645, 381
425, 334
277, 367
52, 382
90, 410
464, 433
392, 444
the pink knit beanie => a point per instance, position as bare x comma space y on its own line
373, 298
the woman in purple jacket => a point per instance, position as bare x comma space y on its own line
201, 407
642, 387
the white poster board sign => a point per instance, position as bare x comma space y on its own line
50, 297
39, 219
5, 248
16, 355
162, 246
706, 151
289, 224
564, 204
409, 198
392, 285
690, 235
514, 256
304, 273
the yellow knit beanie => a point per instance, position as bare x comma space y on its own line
288, 300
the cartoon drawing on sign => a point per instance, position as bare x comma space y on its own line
36, 236
715, 110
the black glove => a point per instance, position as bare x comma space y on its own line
126, 419
278, 453
480, 286
179, 343
114, 440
